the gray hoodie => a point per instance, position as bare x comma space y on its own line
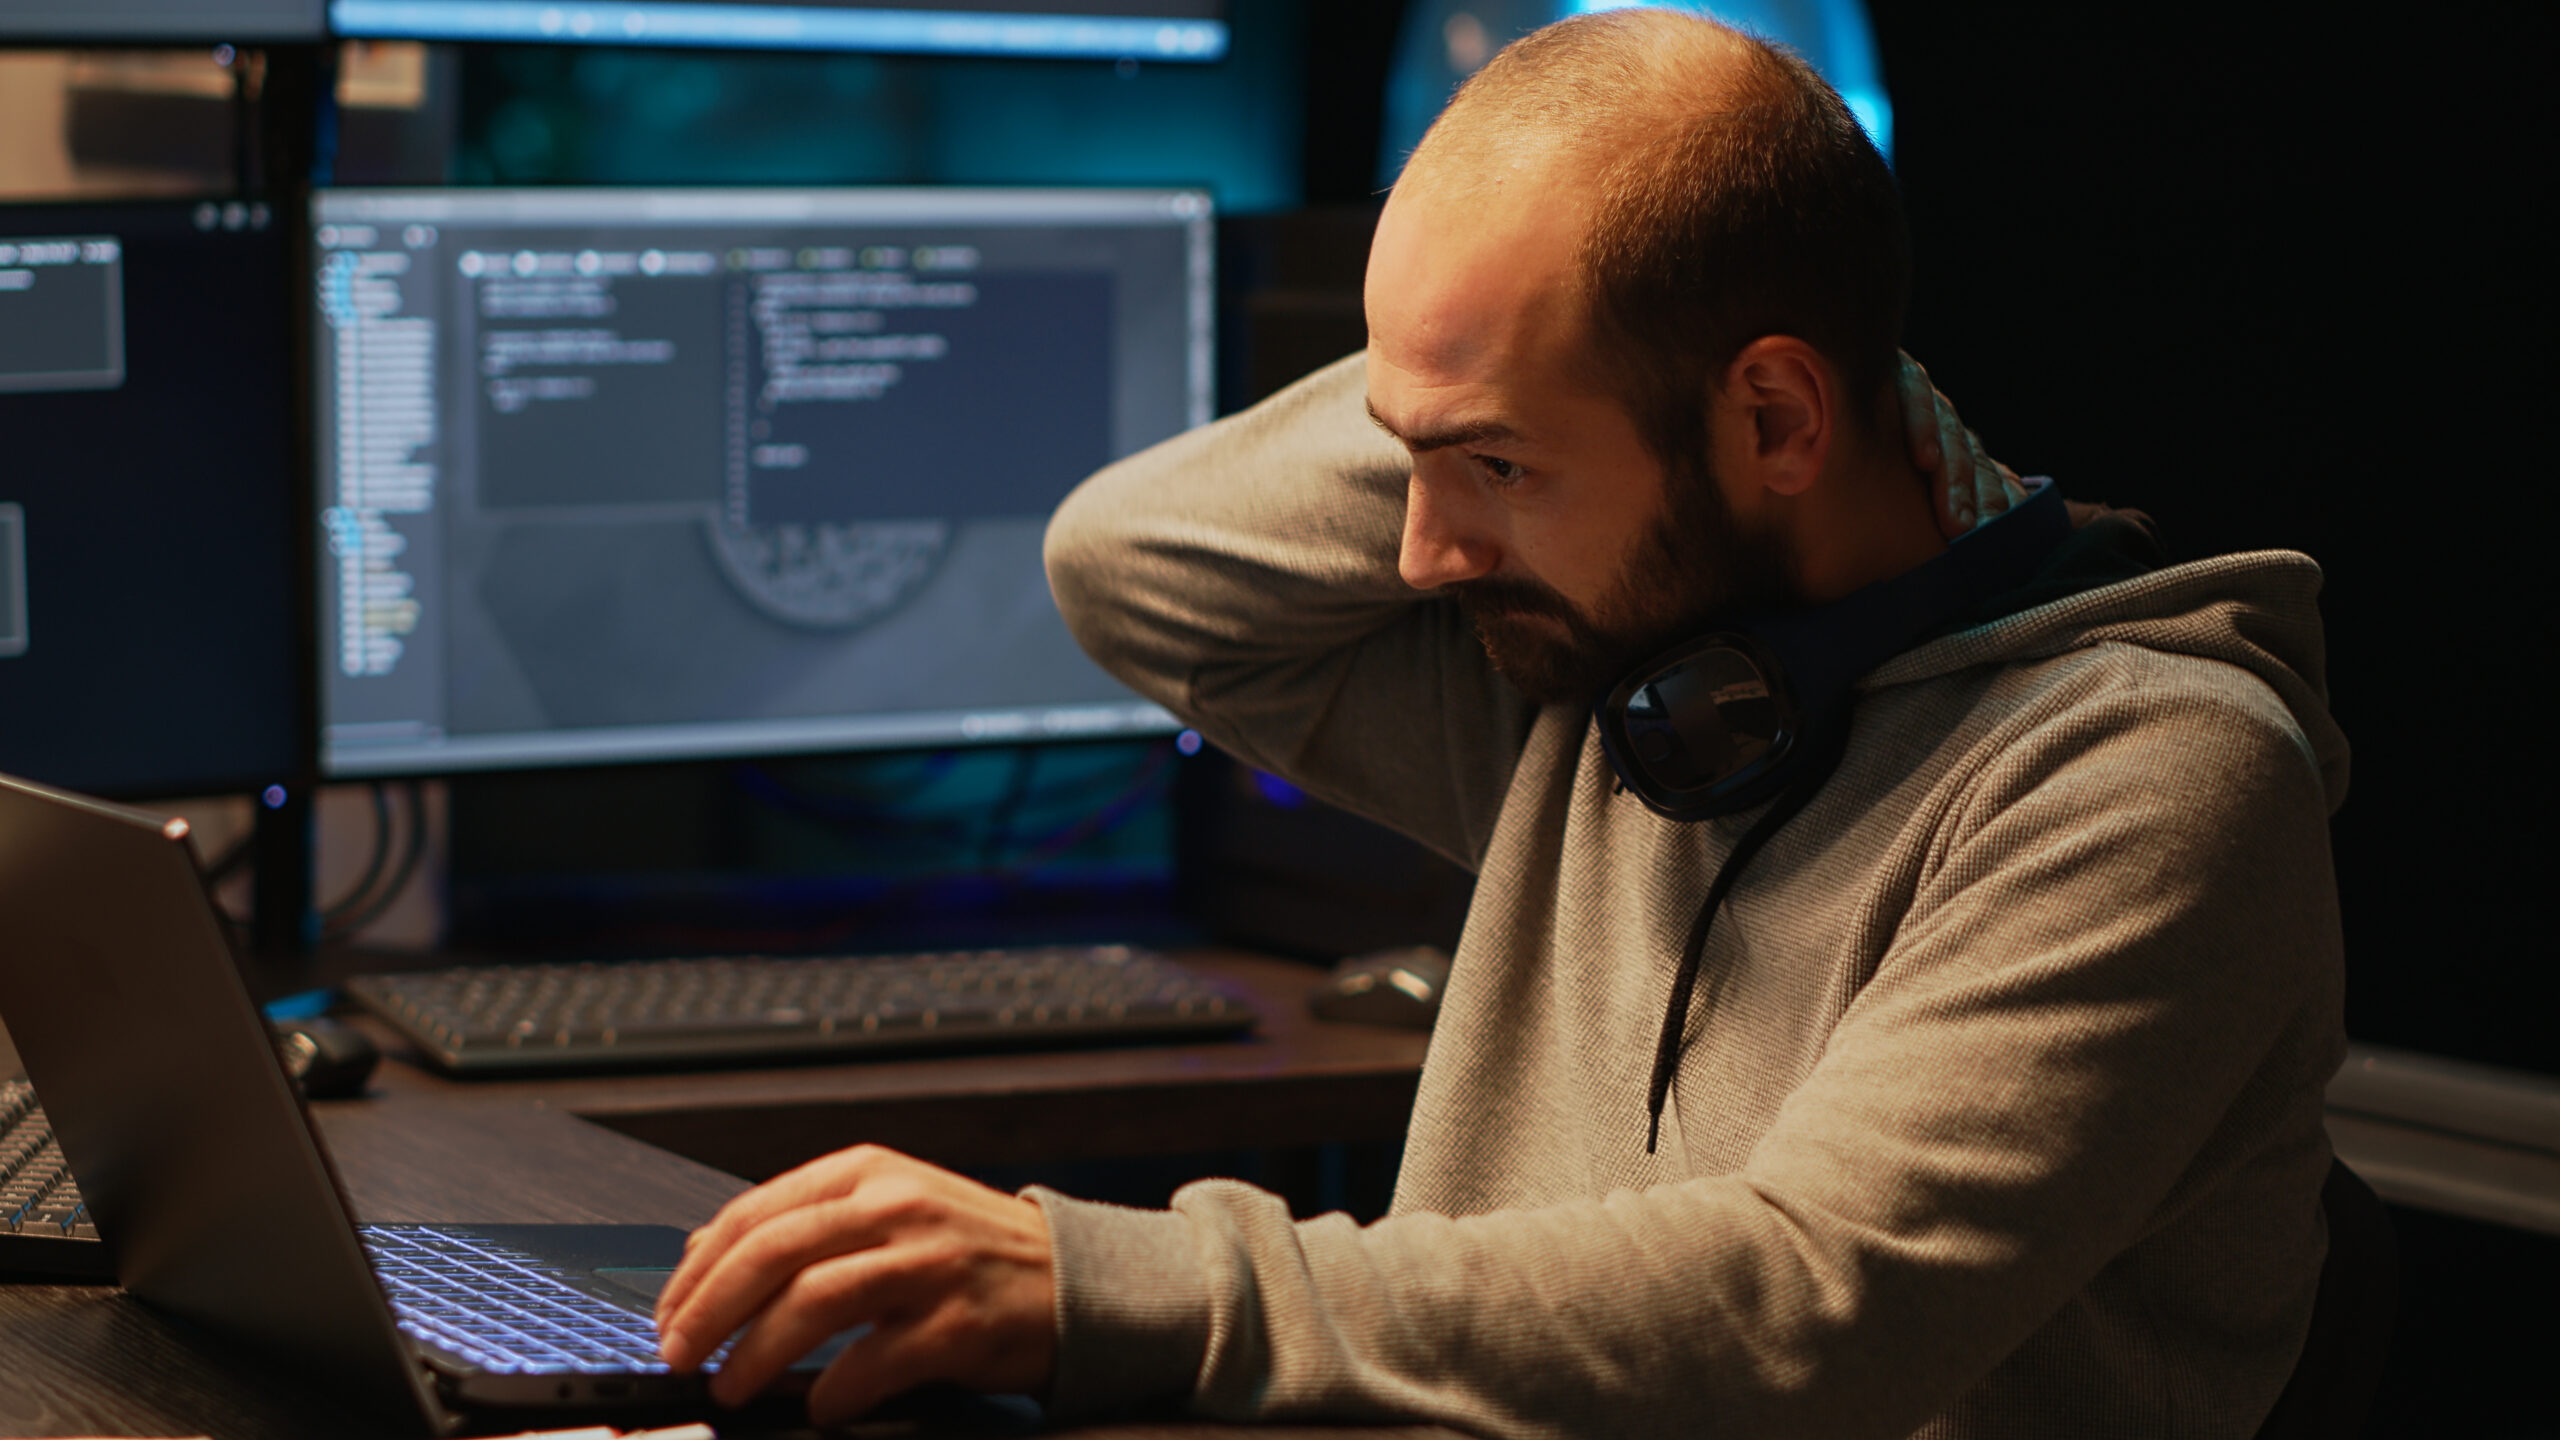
1998, 1110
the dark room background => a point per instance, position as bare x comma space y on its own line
2281, 276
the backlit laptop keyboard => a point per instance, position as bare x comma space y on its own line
503, 1310
45, 1231
37, 1193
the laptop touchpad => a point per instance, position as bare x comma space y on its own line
643, 1281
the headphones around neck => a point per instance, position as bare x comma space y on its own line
1725, 721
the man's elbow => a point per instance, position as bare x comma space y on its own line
1078, 552
1104, 552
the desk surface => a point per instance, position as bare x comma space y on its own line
87, 1360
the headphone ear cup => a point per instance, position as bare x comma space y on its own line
1724, 722
1700, 728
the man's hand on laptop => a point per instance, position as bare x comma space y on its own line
1966, 486
953, 1278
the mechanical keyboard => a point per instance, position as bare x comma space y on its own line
45, 1230
756, 1009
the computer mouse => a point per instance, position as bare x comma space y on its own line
328, 1059
1399, 987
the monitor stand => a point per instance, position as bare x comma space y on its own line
282, 921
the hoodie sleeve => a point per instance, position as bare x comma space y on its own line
2114, 981
1244, 577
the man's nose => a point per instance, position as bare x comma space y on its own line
1442, 545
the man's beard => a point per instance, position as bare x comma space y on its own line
1692, 569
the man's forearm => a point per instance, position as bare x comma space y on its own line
1244, 576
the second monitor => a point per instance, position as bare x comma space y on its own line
658, 474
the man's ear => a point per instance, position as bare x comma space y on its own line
1779, 405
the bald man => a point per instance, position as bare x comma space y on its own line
1989, 1105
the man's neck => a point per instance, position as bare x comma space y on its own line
1868, 519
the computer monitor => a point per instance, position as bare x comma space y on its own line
1179, 30
642, 475
161, 21
149, 641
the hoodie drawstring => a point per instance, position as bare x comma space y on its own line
1666, 1053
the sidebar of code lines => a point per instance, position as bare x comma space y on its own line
382, 470
377, 301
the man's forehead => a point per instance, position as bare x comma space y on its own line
1467, 284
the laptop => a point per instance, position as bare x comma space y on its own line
213, 1193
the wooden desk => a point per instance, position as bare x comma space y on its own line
80, 1360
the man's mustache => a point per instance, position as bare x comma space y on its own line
1497, 597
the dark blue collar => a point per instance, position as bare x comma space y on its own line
1826, 649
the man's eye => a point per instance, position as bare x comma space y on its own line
1499, 470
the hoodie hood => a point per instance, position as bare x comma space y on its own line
2258, 610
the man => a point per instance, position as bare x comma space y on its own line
1996, 1107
